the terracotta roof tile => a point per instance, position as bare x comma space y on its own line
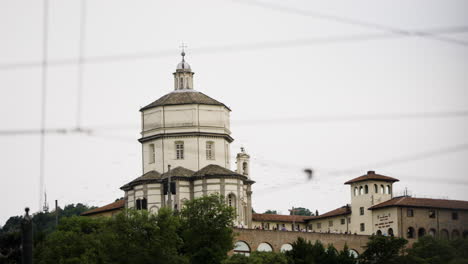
149, 176
279, 218
406, 201
178, 171
215, 170
180, 98
344, 210
371, 175
110, 207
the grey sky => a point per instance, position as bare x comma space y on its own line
283, 68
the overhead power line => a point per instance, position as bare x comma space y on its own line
261, 45
352, 21
256, 122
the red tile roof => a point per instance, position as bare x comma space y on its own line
345, 210
117, 205
279, 218
372, 176
406, 201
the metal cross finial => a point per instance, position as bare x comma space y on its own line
183, 46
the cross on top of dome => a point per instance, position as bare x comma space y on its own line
183, 66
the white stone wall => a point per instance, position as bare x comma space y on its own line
366, 200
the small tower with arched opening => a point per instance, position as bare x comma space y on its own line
368, 190
243, 163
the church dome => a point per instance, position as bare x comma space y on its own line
183, 66
182, 98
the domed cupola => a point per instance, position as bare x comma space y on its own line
183, 76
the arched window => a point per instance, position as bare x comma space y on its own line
388, 189
241, 248
179, 146
231, 200
421, 232
444, 234
432, 232
353, 253
245, 168
455, 234
410, 232
366, 189
138, 204
356, 191
210, 152
286, 247
382, 190
376, 188
379, 233
265, 247
144, 204
361, 190
390, 232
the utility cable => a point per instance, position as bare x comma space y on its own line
262, 45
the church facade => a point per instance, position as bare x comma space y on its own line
185, 138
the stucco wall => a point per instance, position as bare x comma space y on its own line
277, 238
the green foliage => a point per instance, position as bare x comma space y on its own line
258, 258
302, 211
271, 212
383, 250
207, 229
429, 250
10, 243
304, 252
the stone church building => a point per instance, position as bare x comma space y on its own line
185, 138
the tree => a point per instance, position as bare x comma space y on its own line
271, 212
301, 211
383, 250
207, 229
432, 250
258, 258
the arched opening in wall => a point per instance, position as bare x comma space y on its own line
361, 190
421, 232
390, 232
264, 247
241, 248
231, 200
356, 191
465, 234
144, 204
410, 232
353, 253
286, 247
154, 209
245, 168
388, 189
376, 188
455, 234
432, 232
366, 189
181, 83
379, 232
444, 234
382, 189
138, 204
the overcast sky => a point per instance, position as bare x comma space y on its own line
341, 87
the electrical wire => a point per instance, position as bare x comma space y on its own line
351, 21
262, 45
